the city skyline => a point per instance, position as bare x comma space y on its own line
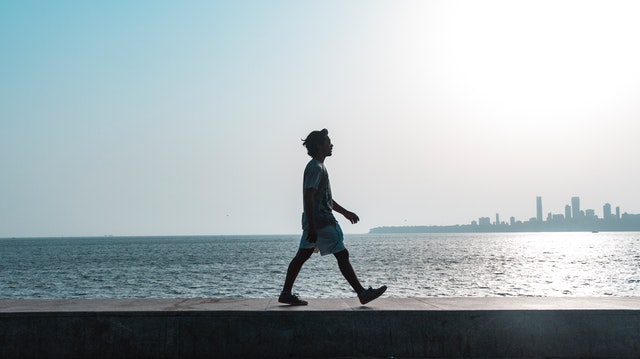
573, 219
571, 213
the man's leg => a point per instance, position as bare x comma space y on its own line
295, 266
365, 295
347, 270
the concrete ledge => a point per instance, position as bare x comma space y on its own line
327, 328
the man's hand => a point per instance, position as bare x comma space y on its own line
312, 235
352, 217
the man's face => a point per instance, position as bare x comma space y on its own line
326, 147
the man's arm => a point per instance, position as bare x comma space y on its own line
352, 217
308, 201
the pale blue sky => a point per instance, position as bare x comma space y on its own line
167, 118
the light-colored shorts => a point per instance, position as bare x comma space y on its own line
330, 240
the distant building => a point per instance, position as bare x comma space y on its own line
575, 207
606, 211
590, 214
539, 208
567, 212
484, 221
618, 212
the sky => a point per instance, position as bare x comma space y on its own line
186, 118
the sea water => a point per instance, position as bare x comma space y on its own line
411, 265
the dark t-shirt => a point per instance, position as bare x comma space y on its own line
317, 177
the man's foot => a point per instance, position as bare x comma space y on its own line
370, 294
291, 299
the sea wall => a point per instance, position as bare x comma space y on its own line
327, 328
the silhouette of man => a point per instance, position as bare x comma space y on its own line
321, 231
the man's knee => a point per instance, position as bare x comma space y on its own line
303, 255
342, 255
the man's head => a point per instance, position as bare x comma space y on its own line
318, 143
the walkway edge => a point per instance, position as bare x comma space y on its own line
261, 328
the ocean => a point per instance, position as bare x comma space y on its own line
411, 265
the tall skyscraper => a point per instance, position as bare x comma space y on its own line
606, 211
575, 207
539, 208
567, 212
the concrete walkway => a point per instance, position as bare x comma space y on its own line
513, 327
350, 304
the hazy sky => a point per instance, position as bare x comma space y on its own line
168, 117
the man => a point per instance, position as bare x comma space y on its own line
320, 228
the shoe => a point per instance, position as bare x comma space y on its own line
291, 299
370, 294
